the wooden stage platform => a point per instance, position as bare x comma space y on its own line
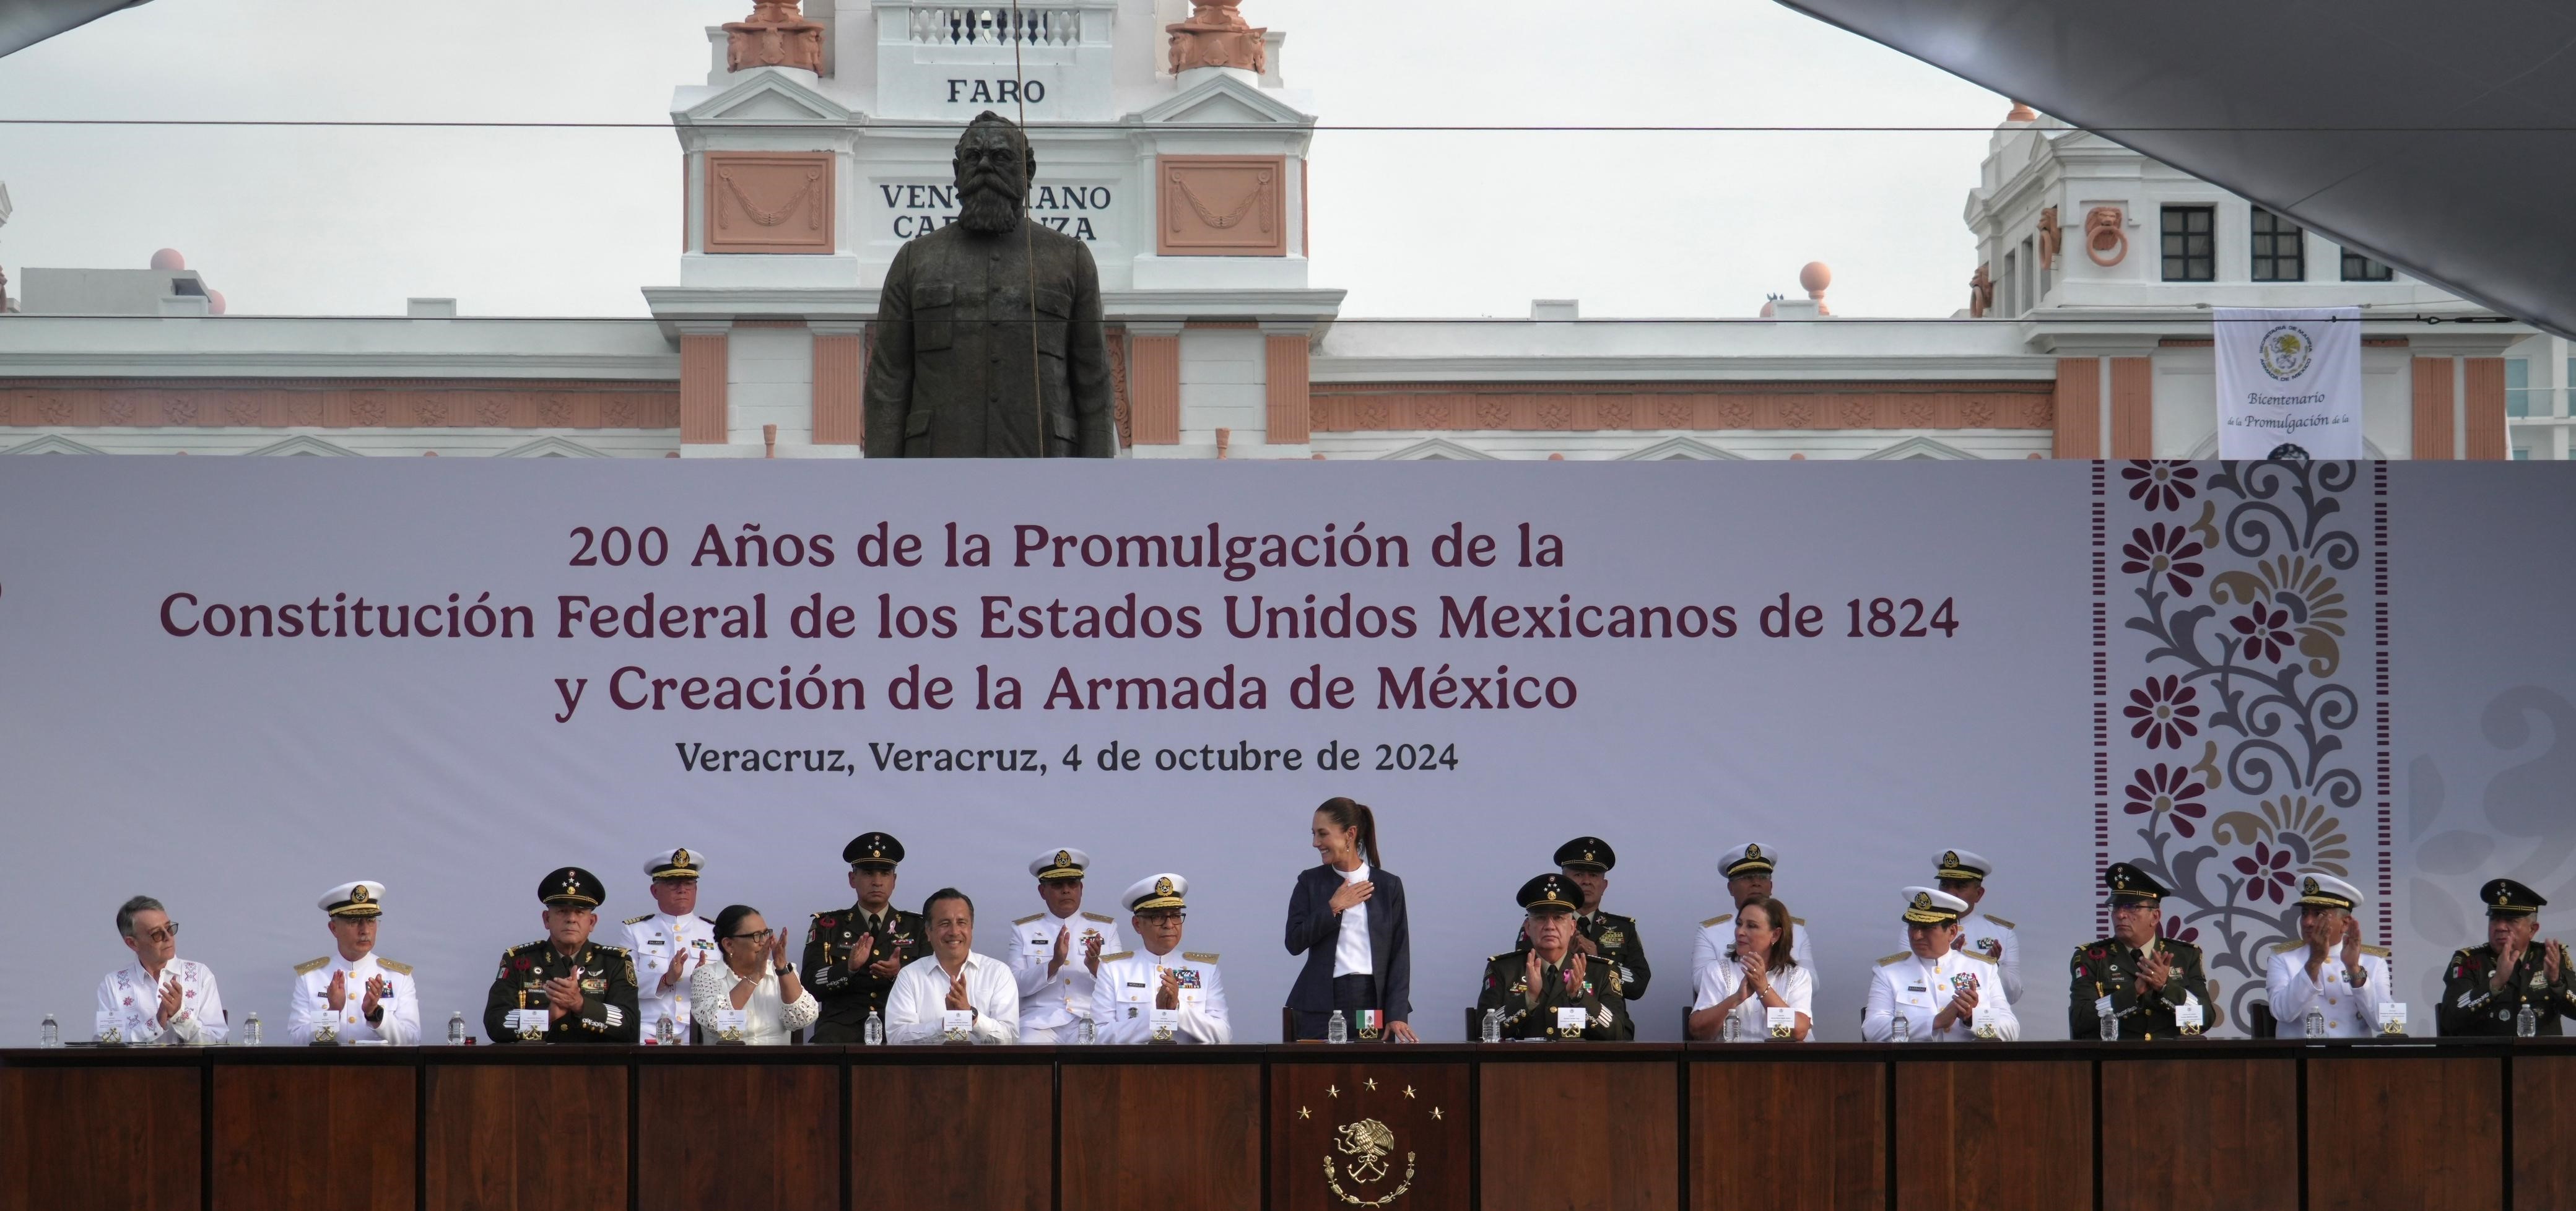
1639, 1127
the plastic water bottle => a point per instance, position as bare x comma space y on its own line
1731, 1030
2526, 1024
1086, 1034
874, 1033
456, 1029
250, 1032
2110, 1028
1492, 1030
1900, 1029
1337, 1030
2314, 1025
665, 1034
53, 1035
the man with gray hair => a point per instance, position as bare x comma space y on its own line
160, 997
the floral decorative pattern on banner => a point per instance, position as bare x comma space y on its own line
2238, 735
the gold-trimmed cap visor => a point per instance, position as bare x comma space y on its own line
1551, 891
1059, 864
1932, 906
1157, 892
364, 898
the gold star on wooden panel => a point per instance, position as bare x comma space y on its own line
1334, 1090
1435, 1112
1302, 1112
1408, 1091
1372, 1084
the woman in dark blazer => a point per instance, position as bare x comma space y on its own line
1347, 917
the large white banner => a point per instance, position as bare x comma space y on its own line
2289, 382
234, 683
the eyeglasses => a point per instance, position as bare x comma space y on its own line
1162, 918
754, 938
163, 934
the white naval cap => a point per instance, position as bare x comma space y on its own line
1059, 864
1932, 906
1750, 858
2328, 891
1961, 864
676, 864
1156, 891
364, 898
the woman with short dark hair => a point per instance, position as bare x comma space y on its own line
1347, 917
755, 978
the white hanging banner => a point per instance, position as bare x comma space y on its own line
2289, 382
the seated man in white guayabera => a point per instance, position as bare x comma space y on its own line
1935, 988
160, 997
1150, 994
2327, 969
954, 979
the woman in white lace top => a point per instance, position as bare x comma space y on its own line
755, 978
1757, 976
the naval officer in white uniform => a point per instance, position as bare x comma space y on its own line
1963, 874
1138, 988
670, 943
1935, 986
1055, 955
363, 996
1748, 868
2328, 968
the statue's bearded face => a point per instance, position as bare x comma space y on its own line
992, 179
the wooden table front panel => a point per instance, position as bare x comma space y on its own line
538, 1136
2199, 1133
940, 1137
2544, 1130
2422, 1133
738, 1135
1424, 1107
1161, 1135
1788, 1135
1993, 1134
1579, 1136
101, 1138
313, 1135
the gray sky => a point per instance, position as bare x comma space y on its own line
574, 222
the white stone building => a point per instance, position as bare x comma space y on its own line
1168, 139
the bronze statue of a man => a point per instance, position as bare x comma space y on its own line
988, 340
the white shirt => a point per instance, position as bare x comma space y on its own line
2351, 1013
767, 1020
1919, 990
1994, 938
309, 1002
136, 998
1718, 982
1716, 942
1129, 982
1048, 1001
655, 939
1351, 952
920, 995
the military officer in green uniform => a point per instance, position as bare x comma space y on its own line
584, 990
2485, 987
852, 954
1586, 862
2136, 974
1553, 990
